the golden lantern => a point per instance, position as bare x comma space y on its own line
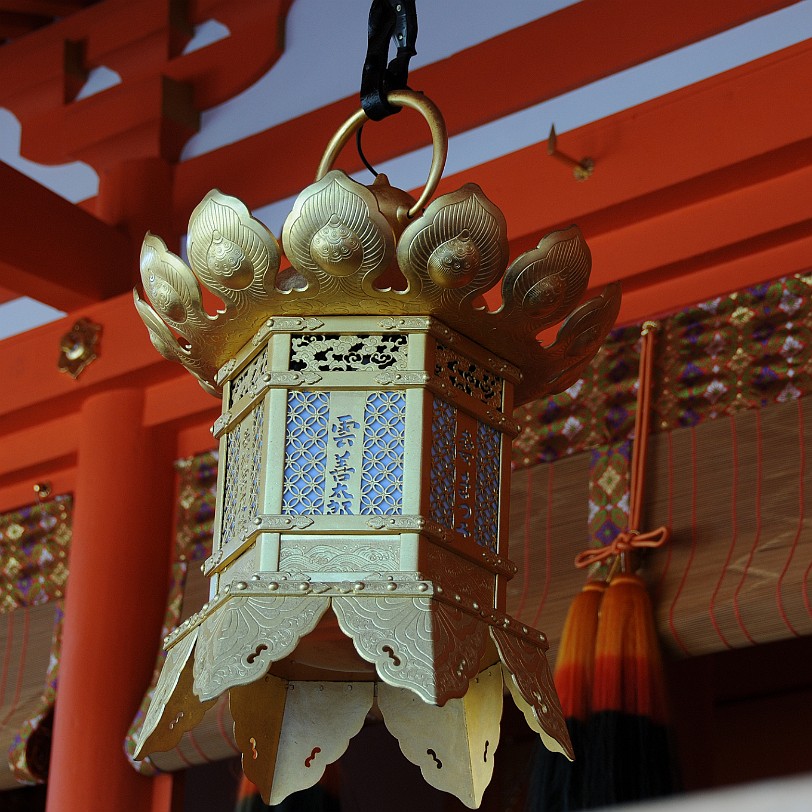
360, 551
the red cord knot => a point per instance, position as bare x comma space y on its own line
625, 541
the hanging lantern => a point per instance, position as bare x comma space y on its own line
360, 551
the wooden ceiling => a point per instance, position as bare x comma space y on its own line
20, 17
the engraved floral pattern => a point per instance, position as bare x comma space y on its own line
354, 557
414, 643
237, 644
459, 575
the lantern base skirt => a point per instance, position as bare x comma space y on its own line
302, 680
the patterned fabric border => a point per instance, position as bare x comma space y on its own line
196, 497
742, 351
596, 410
30, 749
34, 543
608, 492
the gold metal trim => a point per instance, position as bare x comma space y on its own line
79, 347
439, 137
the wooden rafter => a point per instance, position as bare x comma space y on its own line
60, 254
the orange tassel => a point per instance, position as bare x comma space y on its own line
628, 673
247, 796
576, 656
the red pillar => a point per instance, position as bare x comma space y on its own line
114, 605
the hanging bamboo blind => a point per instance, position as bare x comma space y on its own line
33, 543
737, 495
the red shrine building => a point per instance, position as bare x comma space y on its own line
682, 150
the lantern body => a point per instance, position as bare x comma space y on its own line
365, 448
360, 552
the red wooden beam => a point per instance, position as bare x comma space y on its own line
30, 360
669, 289
48, 444
706, 231
657, 170
44, 8
538, 61
154, 109
55, 252
700, 142
13, 24
20, 492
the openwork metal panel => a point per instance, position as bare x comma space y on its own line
305, 452
489, 444
465, 475
344, 453
347, 353
468, 377
250, 376
384, 437
443, 453
243, 466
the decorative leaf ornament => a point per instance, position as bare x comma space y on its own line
337, 238
233, 254
341, 239
236, 258
543, 285
455, 251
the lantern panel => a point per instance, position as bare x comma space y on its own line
306, 441
243, 465
467, 376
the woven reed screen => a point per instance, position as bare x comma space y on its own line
25, 640
34, 542
737, 495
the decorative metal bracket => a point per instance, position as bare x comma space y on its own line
78, 348
581, 170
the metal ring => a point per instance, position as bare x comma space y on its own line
439, 137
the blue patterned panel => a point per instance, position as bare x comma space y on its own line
489, 442
443, 454
305, 452
384, 435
